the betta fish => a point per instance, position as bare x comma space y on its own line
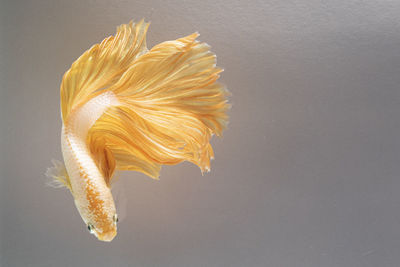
125, 107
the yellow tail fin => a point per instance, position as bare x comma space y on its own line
171, 105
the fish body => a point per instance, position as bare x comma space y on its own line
125, 107
92, 195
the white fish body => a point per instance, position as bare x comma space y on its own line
88, 183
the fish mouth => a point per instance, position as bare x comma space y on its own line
107, 237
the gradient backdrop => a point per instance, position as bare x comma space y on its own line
307, 175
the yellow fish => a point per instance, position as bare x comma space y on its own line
125, 107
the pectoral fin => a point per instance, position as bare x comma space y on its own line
58, 175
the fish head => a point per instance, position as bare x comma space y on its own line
104, 235
99, 215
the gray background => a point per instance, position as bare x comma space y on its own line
306, 175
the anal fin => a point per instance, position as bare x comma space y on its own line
104, 159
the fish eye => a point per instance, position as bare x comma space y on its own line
90, 227
115, 218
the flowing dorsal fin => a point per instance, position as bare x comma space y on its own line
102, 65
